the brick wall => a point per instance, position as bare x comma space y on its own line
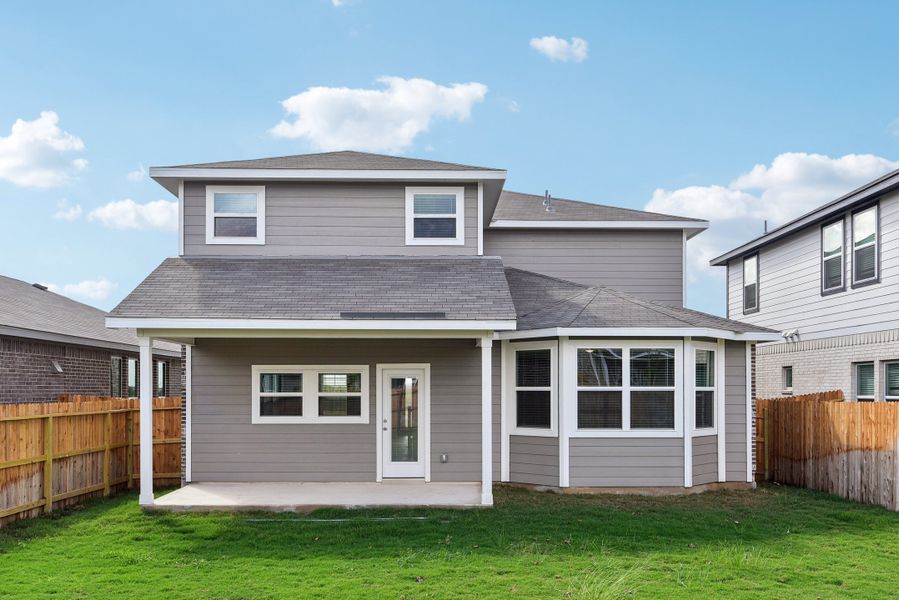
825, 364
27, 372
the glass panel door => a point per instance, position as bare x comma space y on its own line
402, 412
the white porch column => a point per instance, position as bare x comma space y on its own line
146, 420
486, 344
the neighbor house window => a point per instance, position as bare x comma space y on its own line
600, 388
235, 214
132, 378
309, 394
786, 376
751, 284
115, 377
162, 378
704, 390
534, 389
435, 216
891, 381
832, 257
864, 382
865, 246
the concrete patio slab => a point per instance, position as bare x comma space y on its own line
309, 496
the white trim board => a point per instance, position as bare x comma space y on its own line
523, 224
188, 397
313, 325
626, 332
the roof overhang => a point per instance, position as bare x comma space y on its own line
61, 338
692, 228
169, 177
644, 332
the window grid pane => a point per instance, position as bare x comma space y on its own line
652, 367
865, 263
599, 367
229, 202
533, 368
340, 383
705, 368
281, 406
652, 409
435, 227
339, 406
274, 383
434, 204
705, 409
533, 409
833, 273
864, 227
235, 227
833, 240
599, 410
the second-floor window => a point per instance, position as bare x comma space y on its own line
235, 214
751, 284
832, 257
435, 216
865, 246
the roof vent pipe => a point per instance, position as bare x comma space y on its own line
766, 226
547, 202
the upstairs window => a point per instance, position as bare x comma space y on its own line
865, 252
235, 214
832, 260
751, 284
435, 216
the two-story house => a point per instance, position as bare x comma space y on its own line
829, 282
412, 332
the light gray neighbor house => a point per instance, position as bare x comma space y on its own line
368, 323
829, 281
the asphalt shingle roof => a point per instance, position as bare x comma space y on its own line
463, 288
338, 160
529, 207
546, 302
25, 307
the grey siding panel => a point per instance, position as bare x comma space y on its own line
648, 264
326, 219
534, 460
735, 410
790, 280
626, 462
226, 446
705, 459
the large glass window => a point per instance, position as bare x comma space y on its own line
235, 215
434, 216
864, 246
751, 283
891, 381
652, 388
705, 389
832, 257
310, 394
533, 388
864, 382
280, 394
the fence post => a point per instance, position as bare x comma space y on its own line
107, 456
48, 463
766, 417
130, 440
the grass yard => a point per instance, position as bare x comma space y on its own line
774, 542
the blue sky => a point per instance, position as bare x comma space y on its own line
733, 112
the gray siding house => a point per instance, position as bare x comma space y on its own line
829, 282
354, 318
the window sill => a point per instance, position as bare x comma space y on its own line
631, 433
235, 241
530, 432
751, 311
865, 283
435, 242
705, 432
833, 291
309, 421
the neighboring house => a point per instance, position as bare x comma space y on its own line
829, 281
353, 317
52, 345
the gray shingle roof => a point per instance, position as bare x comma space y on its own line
464, 288
546, 302
529, 207
30, 309
338, 160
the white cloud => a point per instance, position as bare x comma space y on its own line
89, 289
513, 106
66, 211
138, 174
386, 120
338, 2
559, 49
39, 154
793, 184
160, 215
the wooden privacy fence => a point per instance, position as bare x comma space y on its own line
54, 454
846, 448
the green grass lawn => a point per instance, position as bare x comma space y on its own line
773, 542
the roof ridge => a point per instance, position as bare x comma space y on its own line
598, 204
596, 290
551, 277
559, 301
648, 304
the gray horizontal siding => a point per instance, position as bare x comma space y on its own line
326, 219
735, 410
705, 459
226, 446
626, 462
648, 264
534, 460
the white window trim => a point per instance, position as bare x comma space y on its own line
691, 387
841, 256
886, 383
513, 388
875, 243
459, 215
212, 190
858, 396
626, 431
309, 393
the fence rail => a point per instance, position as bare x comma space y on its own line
53, 454
846, 448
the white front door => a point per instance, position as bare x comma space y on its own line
402, 422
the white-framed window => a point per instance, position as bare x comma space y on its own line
751, 284
435, 216
310, 394
534, 389
786, 378
864, 382
705, 390
628, 388
865, 246
235, 214
832, 258
891, 381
